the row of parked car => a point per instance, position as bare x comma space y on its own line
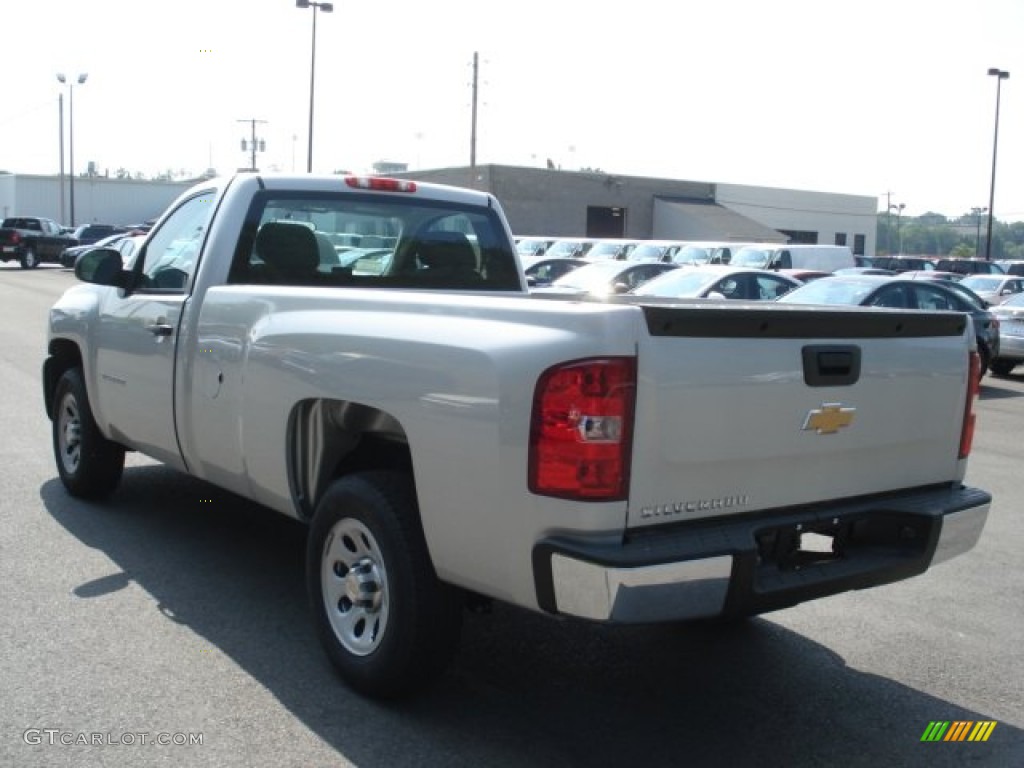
995, 301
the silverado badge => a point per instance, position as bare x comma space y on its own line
828, 419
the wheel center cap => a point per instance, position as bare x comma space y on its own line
363, 587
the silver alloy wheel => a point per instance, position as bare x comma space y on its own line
30, 259
355, 587
69, 426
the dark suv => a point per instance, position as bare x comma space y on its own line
903, 263
969, 267
87, 234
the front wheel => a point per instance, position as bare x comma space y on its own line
89, 465
1002, 367
29, 260
387, 623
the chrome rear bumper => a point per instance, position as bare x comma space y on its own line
756, 564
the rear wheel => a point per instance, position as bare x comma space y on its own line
29, 260
387, 623
986, 356
1002, 367
89, 465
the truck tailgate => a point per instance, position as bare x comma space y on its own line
744, 408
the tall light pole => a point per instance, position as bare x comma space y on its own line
999, 75
977, 228
899, 217
71, 138
326, 8
60, 131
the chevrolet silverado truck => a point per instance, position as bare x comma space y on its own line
31, 240
450, 439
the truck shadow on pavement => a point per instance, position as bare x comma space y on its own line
524, 690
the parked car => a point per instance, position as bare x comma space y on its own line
543, 270
863, 271
804, 275
654, 250
607, 248
995, 289
900, 293
903, 263
932, 274
532, 245
70, 255
826, 258
88, 234
1011, 335
707, 252
719, 282
569, 248
1012, 266
970, 266
603, 278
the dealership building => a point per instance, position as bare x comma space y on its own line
557, 203
97, 199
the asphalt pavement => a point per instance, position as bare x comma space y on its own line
169, 626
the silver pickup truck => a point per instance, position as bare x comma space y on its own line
362, 354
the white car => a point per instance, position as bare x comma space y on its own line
995, 289
719, 282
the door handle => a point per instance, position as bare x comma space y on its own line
160, 329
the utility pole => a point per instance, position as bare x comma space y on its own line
472, 134
254, 144
888, 223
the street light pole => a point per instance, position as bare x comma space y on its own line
999, 75
899, 218
977, 229
60, 131
326, 8
71, 138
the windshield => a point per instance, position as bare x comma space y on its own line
645, 252
591, 277
563, 248
692, 254
751, 257
982, 283
604, 251
677, 283
530, 247
830, 290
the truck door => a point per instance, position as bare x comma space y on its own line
138, 335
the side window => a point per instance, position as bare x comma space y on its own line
769, 288
890, 297
172, 252
927, 297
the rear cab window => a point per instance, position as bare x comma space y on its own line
370, 240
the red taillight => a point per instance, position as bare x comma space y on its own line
380, 184
582, 429
973, 390
15, 238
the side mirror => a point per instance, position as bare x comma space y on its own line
102, 266
620, 288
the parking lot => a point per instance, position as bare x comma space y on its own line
176, 613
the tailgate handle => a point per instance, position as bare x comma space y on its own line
831, 365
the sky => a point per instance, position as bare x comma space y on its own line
884, 99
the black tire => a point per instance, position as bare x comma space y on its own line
985, 356
387, 623
1001, 367
89, 464
29, 260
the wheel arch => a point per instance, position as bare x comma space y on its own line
63, 355
331, 438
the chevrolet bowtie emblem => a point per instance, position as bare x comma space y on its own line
829, 419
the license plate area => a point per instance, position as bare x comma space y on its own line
822, 543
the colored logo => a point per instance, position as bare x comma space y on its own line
828, 419
958, 730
